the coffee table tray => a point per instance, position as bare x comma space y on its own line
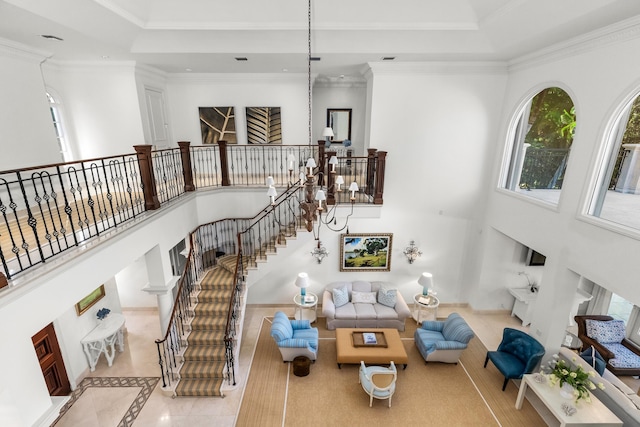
358, 339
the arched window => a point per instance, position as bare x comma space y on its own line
541, 145
616, 197
56, 116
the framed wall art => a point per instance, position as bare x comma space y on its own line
264, 125
365, 252
217, 124
87, 302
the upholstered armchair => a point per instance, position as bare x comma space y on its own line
607, 336
294, 337
518, 354
443, 341
378, 381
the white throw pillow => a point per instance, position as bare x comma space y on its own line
363, 297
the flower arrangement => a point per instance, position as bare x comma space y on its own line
579, 379
103, 313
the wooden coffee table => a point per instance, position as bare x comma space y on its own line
348, 353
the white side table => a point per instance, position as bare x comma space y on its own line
306, 309
425, 307
103, 338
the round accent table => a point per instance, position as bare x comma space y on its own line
425, 307
306, 309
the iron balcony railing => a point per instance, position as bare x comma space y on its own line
47, 210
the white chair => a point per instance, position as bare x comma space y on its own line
378, 381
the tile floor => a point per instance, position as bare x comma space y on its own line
102, 407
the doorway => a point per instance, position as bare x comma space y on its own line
47, 349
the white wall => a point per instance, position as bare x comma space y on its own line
27, 136
289, 92
598, 78
103, 114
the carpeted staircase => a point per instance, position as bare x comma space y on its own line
202, 372
203, 369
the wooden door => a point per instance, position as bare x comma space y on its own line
47, 349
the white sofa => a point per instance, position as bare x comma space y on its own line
616, 396
363, 315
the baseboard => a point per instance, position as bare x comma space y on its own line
57, 402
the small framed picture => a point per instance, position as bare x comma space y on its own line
87, 302
365, 252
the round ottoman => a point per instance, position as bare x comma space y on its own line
301, 366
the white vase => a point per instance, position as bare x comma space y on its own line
566, 391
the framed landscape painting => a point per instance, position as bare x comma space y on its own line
85, 303
365, 252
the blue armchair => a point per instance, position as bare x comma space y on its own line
518, 354
294, 337
443, 341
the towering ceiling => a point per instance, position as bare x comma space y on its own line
207, 35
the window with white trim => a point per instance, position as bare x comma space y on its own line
617, 195
542, 141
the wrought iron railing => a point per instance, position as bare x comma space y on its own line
544, 168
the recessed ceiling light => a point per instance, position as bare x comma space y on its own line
105, 56
388, 58
314, 58
50, 37
241, 58
188, 69
285, 69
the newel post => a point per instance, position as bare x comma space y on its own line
382, 160
331, 179
187, 170
146, 175
224, 163
371, 170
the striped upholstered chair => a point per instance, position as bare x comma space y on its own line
443, 341
294, 337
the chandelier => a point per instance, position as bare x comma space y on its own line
314, 207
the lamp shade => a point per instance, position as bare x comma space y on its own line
333, 160
270, 181
320, 196
354, 186
327, 132
302, 281
271, 192
339, 181
311, 163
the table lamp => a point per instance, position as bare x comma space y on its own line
426, 281
302, 281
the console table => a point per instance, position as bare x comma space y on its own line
103, 338
592, 414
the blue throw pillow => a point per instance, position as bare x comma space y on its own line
593, 358
340, 296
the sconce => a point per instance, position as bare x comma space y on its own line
412, 252
320, 252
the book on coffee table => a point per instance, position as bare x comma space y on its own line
369, 338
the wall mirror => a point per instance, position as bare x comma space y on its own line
339, 119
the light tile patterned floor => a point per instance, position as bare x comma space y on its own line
140, 360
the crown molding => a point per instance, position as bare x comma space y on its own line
628, 29
436, 67
21, 51
232, 78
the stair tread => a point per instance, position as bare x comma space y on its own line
204, 353
199, 387
202, 370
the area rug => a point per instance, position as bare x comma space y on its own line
144, 384
431, 394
